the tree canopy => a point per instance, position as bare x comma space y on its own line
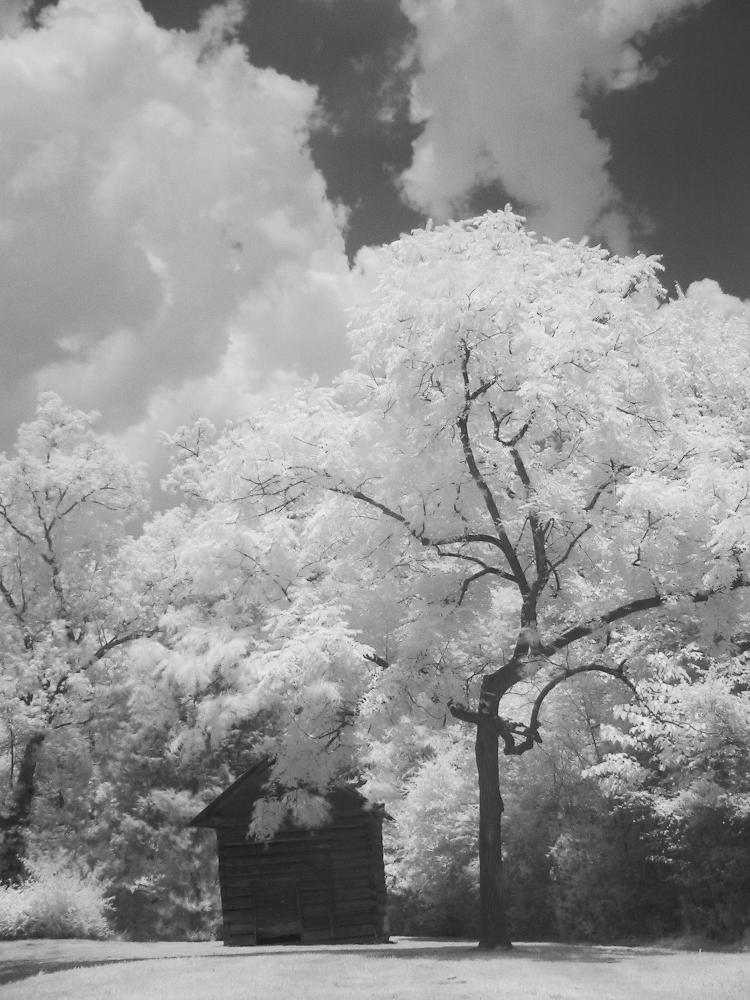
65, 600
532, 453
534, 470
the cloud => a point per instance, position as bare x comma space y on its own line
162, 224
708, 294
502, 89
14, 16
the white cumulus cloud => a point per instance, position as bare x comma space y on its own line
501, 88
166, 238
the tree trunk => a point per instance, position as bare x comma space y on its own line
14, 825
494, 932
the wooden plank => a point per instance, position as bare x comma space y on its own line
249, 871
355, 883
317, 852
240, 940
313, 913
346, 905
311, 936
351, 869
314, 855
240, 928
350, 859
295, 860
354, 892
243, 907
311, 901
355, 899
319, 925
235, 891
369, 938
343, 931
268, 885
309, 884
292, 852
231, 903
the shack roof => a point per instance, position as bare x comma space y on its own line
234, 805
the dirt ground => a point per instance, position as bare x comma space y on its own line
407, 969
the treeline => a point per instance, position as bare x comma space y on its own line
592, 852
516, 529
600, 846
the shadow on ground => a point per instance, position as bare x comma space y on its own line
25, 967
11, 972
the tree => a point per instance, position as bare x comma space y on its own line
684, 761
65, 607
431, 846
531, 453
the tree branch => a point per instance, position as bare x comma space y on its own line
464, 714
478, 538
476, 576
533, 727
510, 732
633, 607
564, 557
462, 422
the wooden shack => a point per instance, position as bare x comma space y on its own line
326, 884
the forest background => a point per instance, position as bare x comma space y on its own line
322, 590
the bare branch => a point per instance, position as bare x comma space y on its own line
530, 733
464, 714
633, 607
537, 531
475, 576
564, 557
418, 535
11, 524
466, 557
462, 422
586, 629
377, 660
121, 640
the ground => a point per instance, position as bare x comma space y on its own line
407, 969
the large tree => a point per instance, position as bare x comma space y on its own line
65, 606
532, 453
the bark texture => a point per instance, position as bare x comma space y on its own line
494, 930
14, 824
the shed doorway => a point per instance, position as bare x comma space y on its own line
277, 918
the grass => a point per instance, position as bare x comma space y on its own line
408, 969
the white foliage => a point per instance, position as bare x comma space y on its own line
522, 418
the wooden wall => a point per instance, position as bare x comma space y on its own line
321, 885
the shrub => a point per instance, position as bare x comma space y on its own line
55, 901
607, 884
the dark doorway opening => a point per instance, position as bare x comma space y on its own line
278, 919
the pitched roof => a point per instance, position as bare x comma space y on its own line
234, 805
236, 801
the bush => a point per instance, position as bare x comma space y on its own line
447, 908
607, 885
55, 901
710, 864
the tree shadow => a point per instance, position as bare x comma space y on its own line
470, 951
13, 971
465, 951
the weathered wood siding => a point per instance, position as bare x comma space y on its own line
305, 885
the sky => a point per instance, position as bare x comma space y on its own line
185, 188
